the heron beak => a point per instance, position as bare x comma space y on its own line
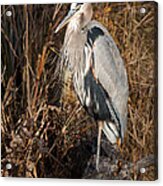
65, 21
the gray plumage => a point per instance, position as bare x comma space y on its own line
99, 74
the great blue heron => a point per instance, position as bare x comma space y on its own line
99, 74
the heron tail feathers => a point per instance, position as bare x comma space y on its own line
111, 132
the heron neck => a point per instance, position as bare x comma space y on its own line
73, 47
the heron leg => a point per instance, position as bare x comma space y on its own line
100, 127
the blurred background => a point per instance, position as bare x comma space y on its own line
44, 131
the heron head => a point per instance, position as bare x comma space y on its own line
79, 14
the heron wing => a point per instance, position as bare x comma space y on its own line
110, 71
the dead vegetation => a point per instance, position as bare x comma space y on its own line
41, 137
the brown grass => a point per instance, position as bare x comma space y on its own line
48, 134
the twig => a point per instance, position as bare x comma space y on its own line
9, 43
27, 59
